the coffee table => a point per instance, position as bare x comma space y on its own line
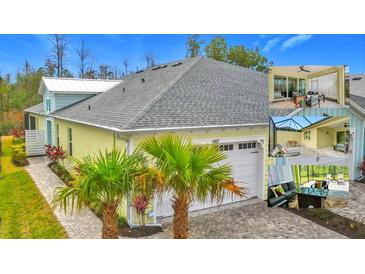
310, 196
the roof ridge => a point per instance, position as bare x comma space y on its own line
160, 95
82, 79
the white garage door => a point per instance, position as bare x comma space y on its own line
245, 160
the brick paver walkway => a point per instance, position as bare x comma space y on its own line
252, 221
356, 208
78, 226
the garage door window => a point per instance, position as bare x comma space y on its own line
247, 145
226, 147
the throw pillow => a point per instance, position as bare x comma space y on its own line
278, 190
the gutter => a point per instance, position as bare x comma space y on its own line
157, 128
356, 106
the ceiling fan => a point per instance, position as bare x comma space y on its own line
301, 69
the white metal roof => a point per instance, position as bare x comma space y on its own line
75, 85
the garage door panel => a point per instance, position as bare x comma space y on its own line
244, 162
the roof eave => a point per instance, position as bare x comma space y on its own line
140, 130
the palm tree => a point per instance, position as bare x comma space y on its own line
191, 172
103, 182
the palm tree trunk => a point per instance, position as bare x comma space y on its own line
110, 221
181, 222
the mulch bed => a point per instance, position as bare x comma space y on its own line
126, 231
342, 225
61, 172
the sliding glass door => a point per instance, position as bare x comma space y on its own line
280, 87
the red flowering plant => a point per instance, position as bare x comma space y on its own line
140, 203
17, 132
148, 182
55, 153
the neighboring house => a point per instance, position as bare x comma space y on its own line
357, 84
309, 86
212, 102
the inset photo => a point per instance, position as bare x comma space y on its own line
306, 86
308, 186
311, 138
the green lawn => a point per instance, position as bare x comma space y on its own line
24, 213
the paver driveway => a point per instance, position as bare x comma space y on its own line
252, 221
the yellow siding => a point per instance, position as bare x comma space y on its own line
89, 140
312, 143
284, 136
86, 139
324, 137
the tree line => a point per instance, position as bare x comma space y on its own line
22, 92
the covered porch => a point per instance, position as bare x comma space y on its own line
307, 86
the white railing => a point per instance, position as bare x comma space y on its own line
34, 142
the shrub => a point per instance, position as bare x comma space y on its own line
55, 153
122, 221
19, 158
61, 172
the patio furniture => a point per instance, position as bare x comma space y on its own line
339, 185
311, 197
292, 143
312, 100
279, 151
273, 201
341, 147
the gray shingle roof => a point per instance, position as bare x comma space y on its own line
359, 100
37, 109
198, 92
357, 84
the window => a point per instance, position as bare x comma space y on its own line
247, 145
32, 123
69, 141
48, 105
307, 135
226, 147
302, 85
320, 172
57, 135
279, 83
343, 137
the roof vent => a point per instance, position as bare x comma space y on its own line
163, 66
143, 80
88, 107
139, 71
156, 68
357, 78
176, 64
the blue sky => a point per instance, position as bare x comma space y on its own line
284, 49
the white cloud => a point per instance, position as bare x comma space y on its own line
271, 44
295, 40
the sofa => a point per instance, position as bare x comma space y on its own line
312, 98
289, 189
